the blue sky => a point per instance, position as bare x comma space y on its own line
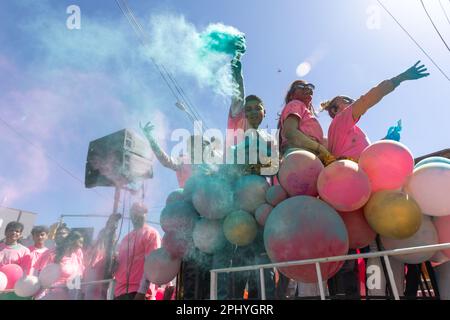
62, 88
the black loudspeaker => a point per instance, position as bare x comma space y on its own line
117, 160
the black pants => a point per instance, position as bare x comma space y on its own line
195, 277
126, 296
412, 280
345, 283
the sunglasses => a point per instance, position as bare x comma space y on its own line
334, 108
309, 86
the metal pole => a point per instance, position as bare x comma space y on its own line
263, 284
213, 288
391, 277
110, 292
111, 236
319, 278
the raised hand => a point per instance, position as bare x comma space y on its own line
415, 72
147, 129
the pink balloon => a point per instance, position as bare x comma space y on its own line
299, 172
302, 228
160, 268
13, 272
176, 243
344, 186
275, 194
262, 213
360, 234
3, 281
442, 225
388, 164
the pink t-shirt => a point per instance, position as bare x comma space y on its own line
133, 249
16, 254
345, 138
35, 254
94, 271
308, 123
184, 172
235, 124
71, 267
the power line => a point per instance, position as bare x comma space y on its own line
168, 74
48, 156
143, 42
435, 28
168, 78
445, 12
417, 44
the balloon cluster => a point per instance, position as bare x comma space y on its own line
346, 204
215, 207
13, 278
313, 212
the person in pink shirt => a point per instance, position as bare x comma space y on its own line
244, 118
133, 249
299, 127
95, 261
237, 121
184, 165
68, 254
11, 251
61, 233
345, 138
40, 235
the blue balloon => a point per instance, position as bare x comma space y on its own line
432, 160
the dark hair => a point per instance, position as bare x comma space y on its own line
287, 98
68, 243
253, 97
62, 226
39, 229
14, 225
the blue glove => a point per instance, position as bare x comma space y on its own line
394, 132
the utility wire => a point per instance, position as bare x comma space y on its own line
434, 25
168, 78
417, 44
445, 12
47, 155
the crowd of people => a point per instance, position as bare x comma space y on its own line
85, 264
299, 129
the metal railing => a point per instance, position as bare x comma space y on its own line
318, 261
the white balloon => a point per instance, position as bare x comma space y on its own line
429, 186
208, 235
250, 192
3, 281
27, 287
439, 257
49, 275
426, 235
